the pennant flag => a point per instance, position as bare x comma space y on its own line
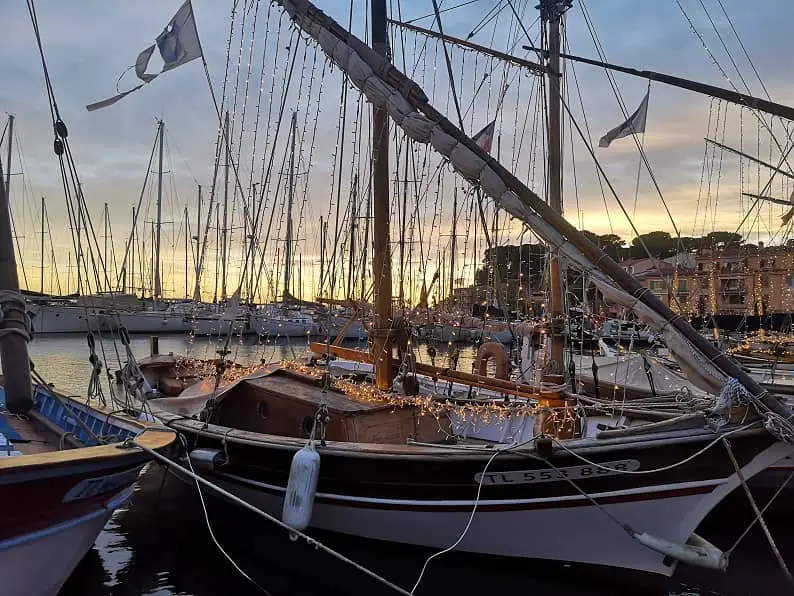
484, 138
635, 124
178, 44
786, 217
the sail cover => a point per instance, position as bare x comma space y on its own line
373, 76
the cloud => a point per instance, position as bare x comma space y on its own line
88, 44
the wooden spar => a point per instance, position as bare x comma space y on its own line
530, 200
770, 199
763, 105
441, 374
552, 12
157, 282
13, 346
381, 251
534, 66
786, 173
756, 103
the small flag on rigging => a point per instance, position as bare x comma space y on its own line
786, 217
484, 138
178, 44
634, 125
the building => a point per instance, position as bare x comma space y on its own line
745, 280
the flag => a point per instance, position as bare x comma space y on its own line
178, 44
786, 217
484, 138
635, 124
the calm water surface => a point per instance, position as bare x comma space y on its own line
159, 543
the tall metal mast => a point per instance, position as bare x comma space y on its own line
453, 247
8, 157
41, 274
290, 202
159, 223
551, 12
224, 234
381, 255
197, 238
187, 250
106, 224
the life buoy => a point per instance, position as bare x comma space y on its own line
492, 350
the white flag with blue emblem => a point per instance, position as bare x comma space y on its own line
178, 44
634, 125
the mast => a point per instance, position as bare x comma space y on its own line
290, 201
8, 158
381, 255
132, 259
197, 238
322, 253
225, 231
353, 222
453, 246
551, 11
187, 250
217, 245
159, 223
105, 247
13, 346
41, 263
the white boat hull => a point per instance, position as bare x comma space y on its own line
147, 322
63, 319
281, 327
568, 529
216, 326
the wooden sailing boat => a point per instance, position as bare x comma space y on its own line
391, 465
62, 477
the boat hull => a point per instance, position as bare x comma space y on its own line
147, 322
39, 563
63, 319
426, 499
216, 326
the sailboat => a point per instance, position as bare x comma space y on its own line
388, 462
279, 320
64, 464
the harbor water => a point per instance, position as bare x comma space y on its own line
161, 544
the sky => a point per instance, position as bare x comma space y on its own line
89, 43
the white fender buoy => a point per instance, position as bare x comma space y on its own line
301, 488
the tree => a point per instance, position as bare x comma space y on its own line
659, 244
717, 239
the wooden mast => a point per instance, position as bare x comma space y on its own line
13, 346
381, 255
551, 12
157, 285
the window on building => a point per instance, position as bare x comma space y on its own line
683, 286
700, 266
656, 285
